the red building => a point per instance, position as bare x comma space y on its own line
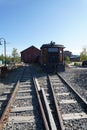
30, 55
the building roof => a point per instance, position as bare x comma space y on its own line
52, 44
75, 56
29, 48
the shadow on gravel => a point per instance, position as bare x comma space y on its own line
11, 76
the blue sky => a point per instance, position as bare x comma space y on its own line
35, 22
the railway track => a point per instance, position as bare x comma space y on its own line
22, 109
72, 108
49, 104
6, 95
41, 102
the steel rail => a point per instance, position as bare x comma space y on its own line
78, 96
7, 110
37, 89
61, 126
50, 118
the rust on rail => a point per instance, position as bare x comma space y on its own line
37, 89
7, 110
61, 126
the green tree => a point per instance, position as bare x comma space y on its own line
8, 59
83, 54
1, 57
15, 55
67, 59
